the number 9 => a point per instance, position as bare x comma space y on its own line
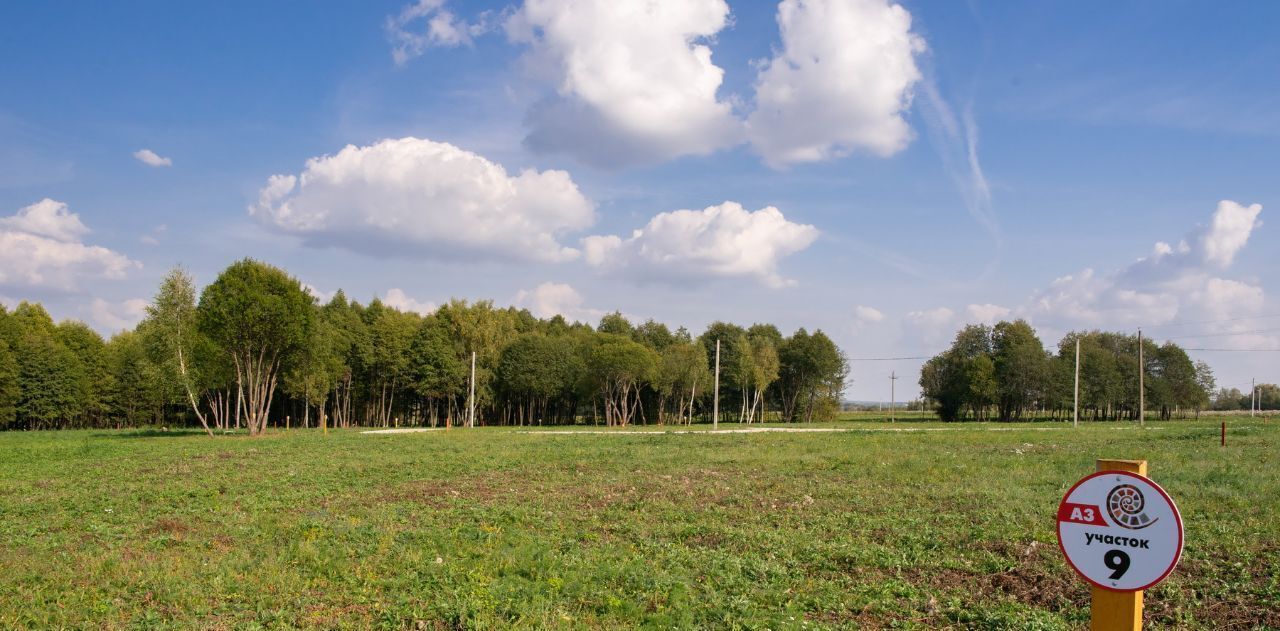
1116, 560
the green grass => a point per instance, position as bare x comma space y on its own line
498, 528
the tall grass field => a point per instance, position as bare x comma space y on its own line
910, 525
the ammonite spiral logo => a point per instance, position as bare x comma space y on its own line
1125, 503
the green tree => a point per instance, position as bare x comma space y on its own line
536, 370
812, 372
764, 366
1021, 368
654, 334
616, 324
682, 374
95, 380
735, 362
318, 366
946, 378
260, 317
391, 334
1268, 397
10, 330
50, 381
137, 383
351, 344
9, 392
1176, 381
485, 331
436, 368
619, 367
981, 386
175, 340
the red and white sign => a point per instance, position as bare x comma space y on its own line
1120, 531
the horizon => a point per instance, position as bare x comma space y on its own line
1007, 162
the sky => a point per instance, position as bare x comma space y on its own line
886, 172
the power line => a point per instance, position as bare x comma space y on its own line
1237, 333
1235, 350
883, 359
1189, 323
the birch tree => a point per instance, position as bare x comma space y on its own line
173, 336
620, 367
260, 317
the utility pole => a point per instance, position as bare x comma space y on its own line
1253, 397
893, 395
1142, 392
1075, 422
471, 394
715, 406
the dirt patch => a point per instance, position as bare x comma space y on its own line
1236, 613
848, 619
708, 540
332, 617
1038, 578
169, 526
485, 489
1035, 578
1241, 610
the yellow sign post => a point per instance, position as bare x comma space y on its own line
1123, 534
1117, 611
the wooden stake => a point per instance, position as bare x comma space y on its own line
1117, 611
1224, 433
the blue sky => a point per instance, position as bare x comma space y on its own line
930, 163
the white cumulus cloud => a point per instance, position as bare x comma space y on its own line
151, 158
41, 247
987, 313
867, 315
320, 296
841, 81
633, 80
1229, 232
551, 299
1182, 283
117, 316
418, 198
625, 82
398, 299
931, 318
688, 246
930, 326
47, 218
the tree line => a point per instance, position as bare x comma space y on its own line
253, 349
1266, 397
1003, 372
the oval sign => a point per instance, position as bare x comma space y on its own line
1120, 531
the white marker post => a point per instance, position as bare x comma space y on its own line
893, 395
715, 405
1075, 416
471, 394
1123, 534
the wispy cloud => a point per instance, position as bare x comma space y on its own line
428, 24
956, 141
